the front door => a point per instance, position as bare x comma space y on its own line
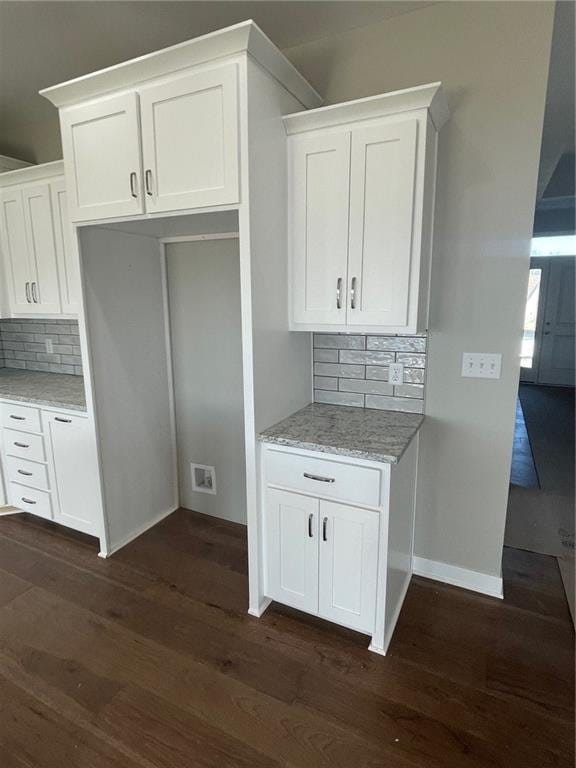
557, 347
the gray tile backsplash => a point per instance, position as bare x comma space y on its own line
352, 369
23, 345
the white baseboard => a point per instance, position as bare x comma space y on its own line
137, 532
459, 577
261, 608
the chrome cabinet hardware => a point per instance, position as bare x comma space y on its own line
27, 289
133, 180
17, 418
34, 293
339, 293
324, 529
21, 445
319, 478
61, 419
353, 294
148, 181
28, 501
310, 518
23, 472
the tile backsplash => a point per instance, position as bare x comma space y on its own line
23, 345
352, 369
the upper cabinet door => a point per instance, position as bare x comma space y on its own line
318, 201
66, 250
15, 251
101, 143
382, 183
190, 140
348, 565
44, 287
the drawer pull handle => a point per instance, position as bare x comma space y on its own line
310, 518
319, 478
27, 501
21, 445
23, 472
324, 529
17, 418
64, 421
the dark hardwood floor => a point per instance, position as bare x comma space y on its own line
149, 660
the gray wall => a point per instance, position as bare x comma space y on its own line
493, 59
204, 302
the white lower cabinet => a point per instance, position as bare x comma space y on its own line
49, 462
337, 537
348, 564
292, 546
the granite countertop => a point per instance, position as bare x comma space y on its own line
50, 389
363, 433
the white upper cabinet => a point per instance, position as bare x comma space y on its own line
190, 140
30, 251
38, 246
168, 132
101, 143
382, 183
319, 200
66, 249
362, 182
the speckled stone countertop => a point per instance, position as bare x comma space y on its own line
58, 390
363, 433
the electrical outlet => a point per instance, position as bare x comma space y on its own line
49, 344
481, 365
396, 373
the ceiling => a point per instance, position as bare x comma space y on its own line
45, 43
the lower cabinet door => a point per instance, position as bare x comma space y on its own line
72, 448
348, 565
291, 531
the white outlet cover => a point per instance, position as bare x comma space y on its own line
482, 365
396, 373
49, 344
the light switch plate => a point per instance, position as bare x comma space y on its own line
396, 373
481, 365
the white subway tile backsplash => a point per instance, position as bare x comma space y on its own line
352, 369
412, 361
339, 398
339, 341
366, 357
325, 382
394, 404
326, 355
397, 343
366, 387
341, 371
23, 345
409, 390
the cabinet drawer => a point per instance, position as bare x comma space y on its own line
21, 417
322, 477
24, 445
30, 500
27, 473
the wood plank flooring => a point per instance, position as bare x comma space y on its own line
149, 660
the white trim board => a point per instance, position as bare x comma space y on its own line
458, 577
